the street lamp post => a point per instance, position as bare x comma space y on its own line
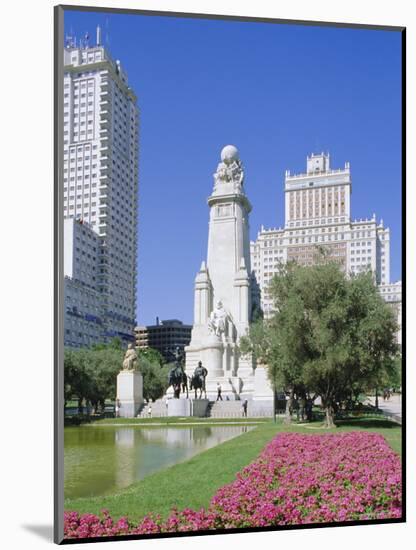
274, 401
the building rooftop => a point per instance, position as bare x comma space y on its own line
318, 165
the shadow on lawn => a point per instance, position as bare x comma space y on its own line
365, 423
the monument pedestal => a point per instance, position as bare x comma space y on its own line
129, 393
263, 390
188, 407
179, 407
212, 356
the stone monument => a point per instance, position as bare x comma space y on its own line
130, 385
222, 300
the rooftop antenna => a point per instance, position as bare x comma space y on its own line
86, 40
98, 35
107, 37
69, 39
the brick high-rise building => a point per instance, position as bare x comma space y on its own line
318, 215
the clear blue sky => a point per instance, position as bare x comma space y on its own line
277, 92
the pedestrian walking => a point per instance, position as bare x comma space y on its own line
219, 390
117, 408
149, 411
244, 407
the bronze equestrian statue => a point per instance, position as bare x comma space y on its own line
177, 377
198, 380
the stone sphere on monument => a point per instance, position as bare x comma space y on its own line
229, 153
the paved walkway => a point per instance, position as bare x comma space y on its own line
391, 407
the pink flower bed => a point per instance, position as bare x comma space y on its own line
297, 479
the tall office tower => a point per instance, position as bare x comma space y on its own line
83, 302
318, 216
101, 172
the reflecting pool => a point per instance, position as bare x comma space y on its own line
104, 459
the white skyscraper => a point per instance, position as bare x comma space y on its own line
83, 302
318, 214
101, 173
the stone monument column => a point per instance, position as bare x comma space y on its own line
228, 236
130, 385
223, 285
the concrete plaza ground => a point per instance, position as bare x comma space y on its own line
391, 407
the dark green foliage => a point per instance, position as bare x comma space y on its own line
90, 375
152, 355
331, 336
155, 379
115, 343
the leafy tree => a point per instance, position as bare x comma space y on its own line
155, 379
394, 379
76, 380
152, 355
102, 367
91, 374
114, 343
330, 335
278, 342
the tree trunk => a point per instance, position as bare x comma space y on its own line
289, 408
329, 416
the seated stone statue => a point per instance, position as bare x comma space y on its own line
217, 321
130, 361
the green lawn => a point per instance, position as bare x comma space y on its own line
194, 482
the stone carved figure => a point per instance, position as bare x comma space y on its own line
130, 361
217, 322
230, 169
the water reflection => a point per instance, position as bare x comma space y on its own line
100, 460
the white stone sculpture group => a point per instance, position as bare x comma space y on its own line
230, 169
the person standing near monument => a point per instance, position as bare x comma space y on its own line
149, 411
219, 390
244, 407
